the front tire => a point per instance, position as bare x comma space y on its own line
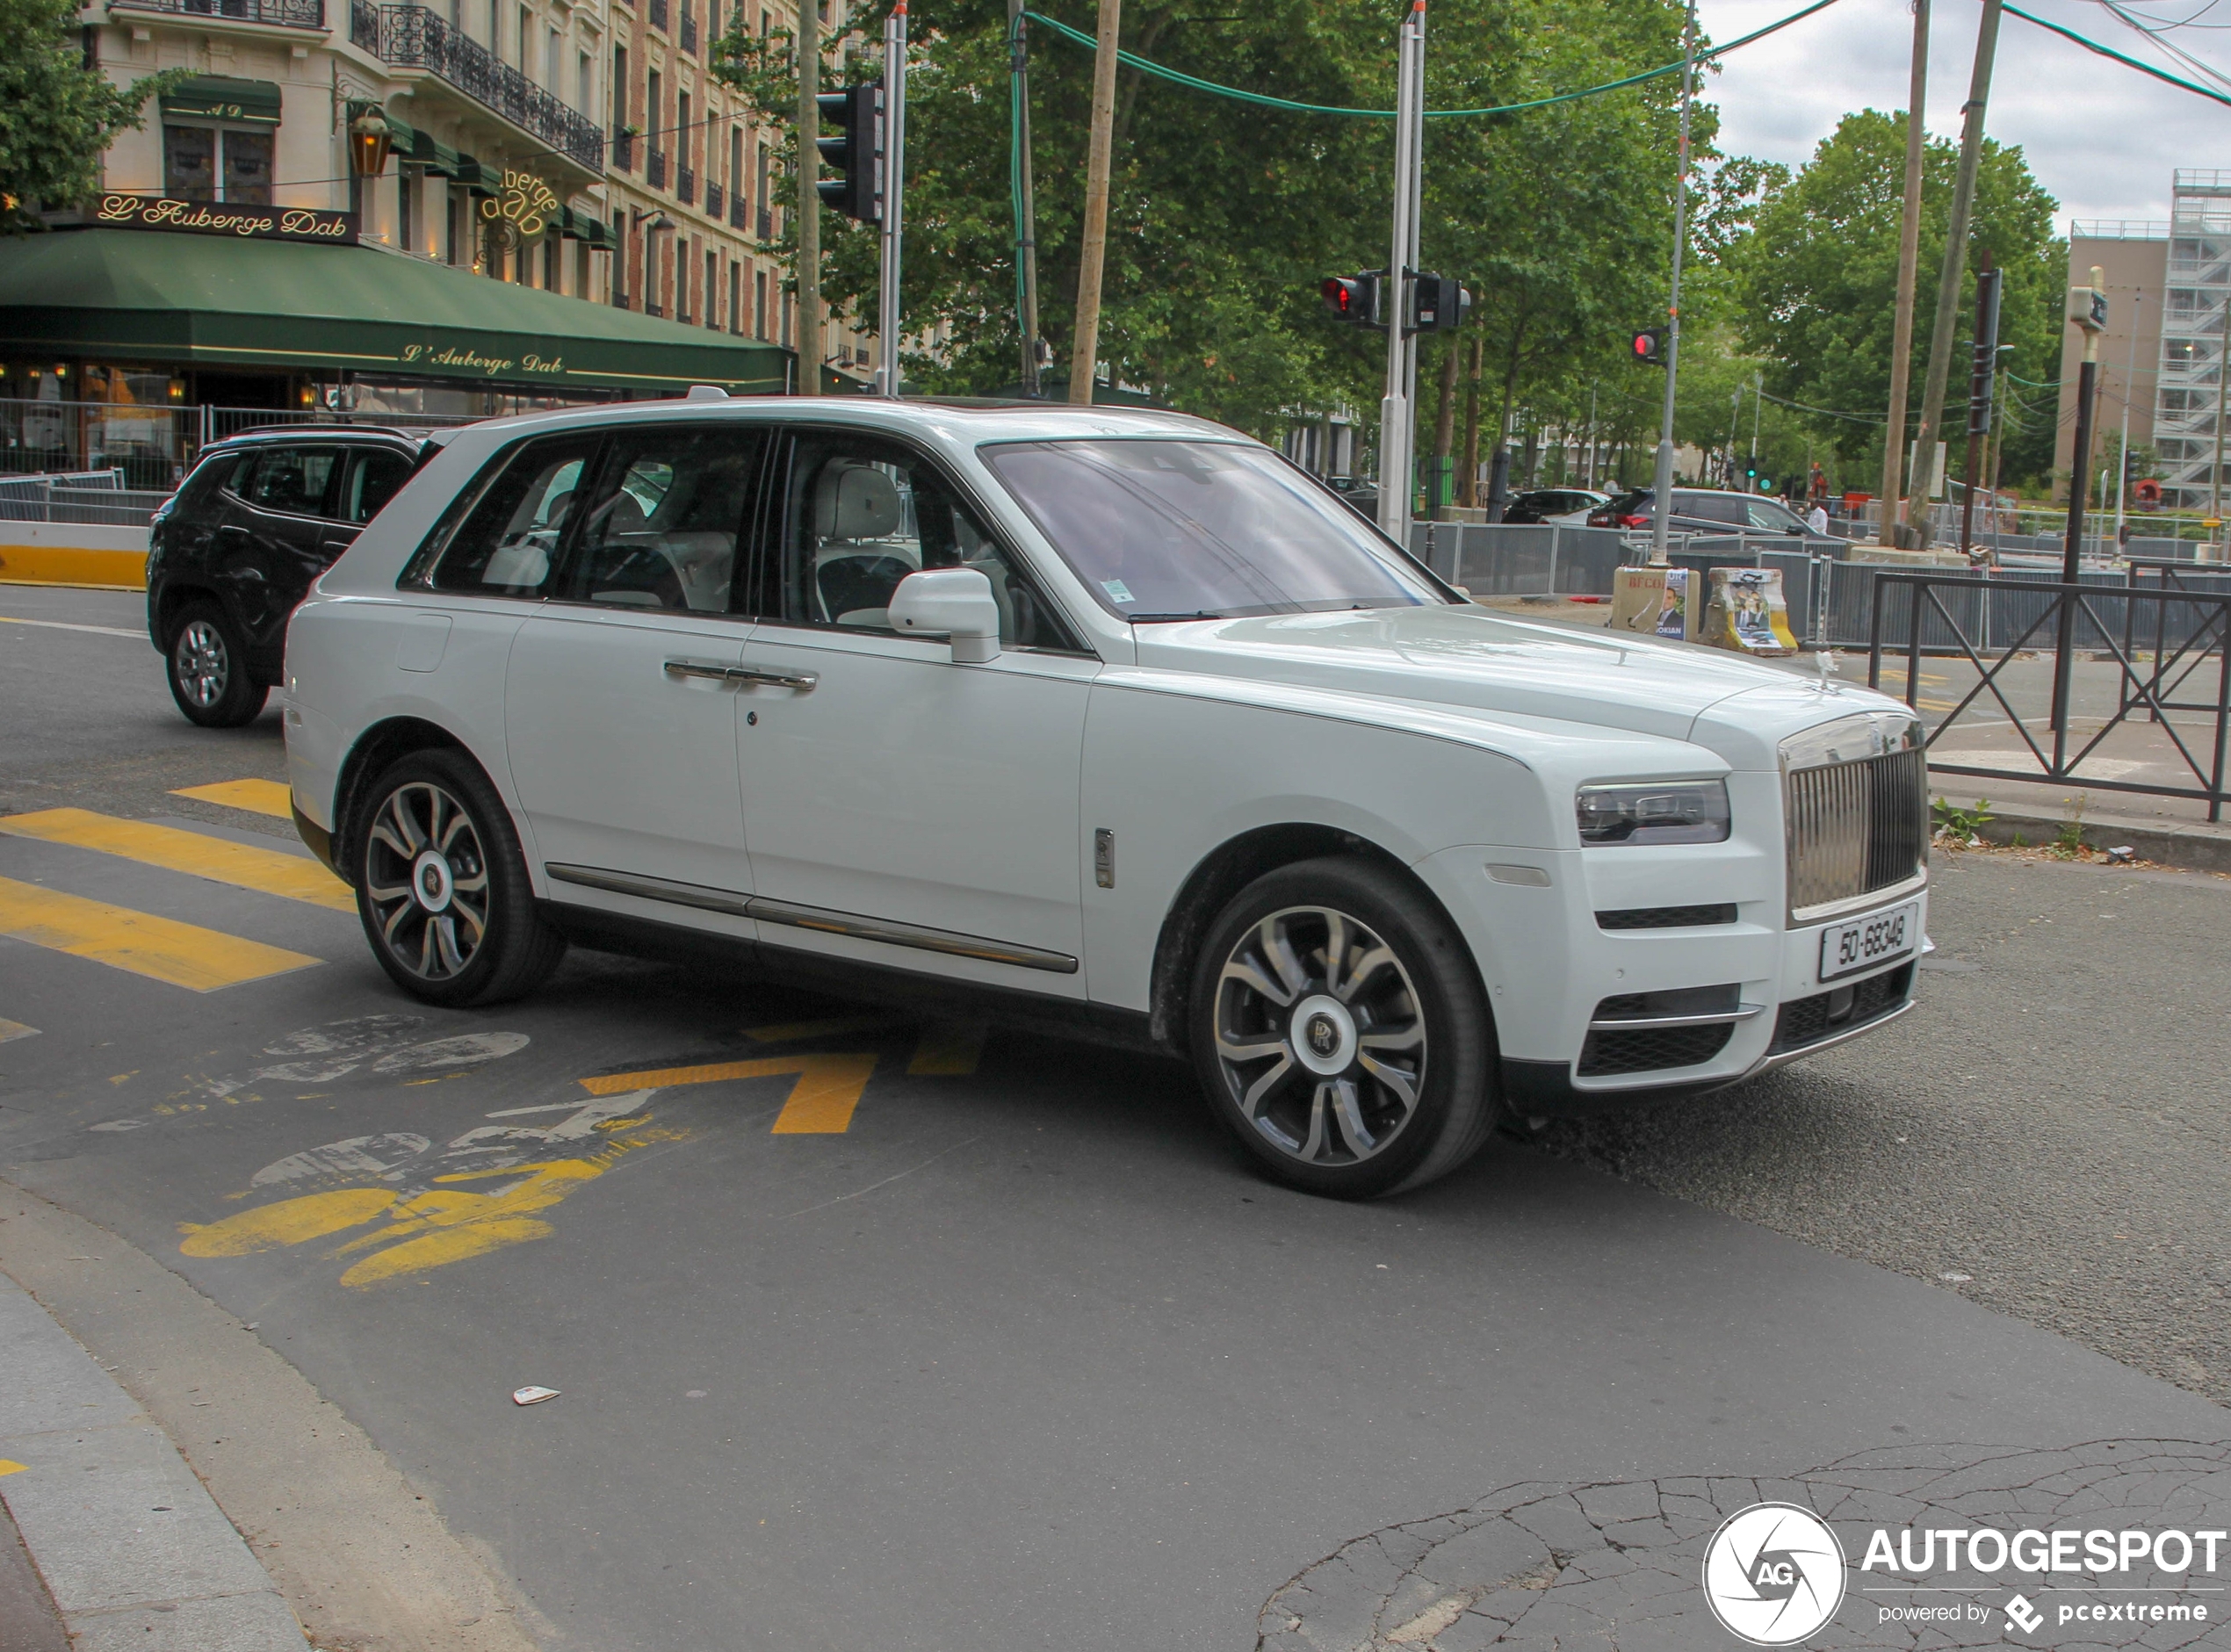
1339, 1028
443, 888
208, 670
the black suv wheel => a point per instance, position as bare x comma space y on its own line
208, 670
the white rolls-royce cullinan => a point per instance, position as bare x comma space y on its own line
1108, 718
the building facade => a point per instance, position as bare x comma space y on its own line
582, 147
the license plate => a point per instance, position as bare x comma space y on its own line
1863, 943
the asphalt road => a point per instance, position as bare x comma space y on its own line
875, 1335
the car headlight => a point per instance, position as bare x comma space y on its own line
1661, 811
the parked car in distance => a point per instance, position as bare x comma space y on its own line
1705, 510
1103, 719
1571, 506
232, 551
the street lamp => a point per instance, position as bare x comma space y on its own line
370, 141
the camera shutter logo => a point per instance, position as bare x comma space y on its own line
1773, 1574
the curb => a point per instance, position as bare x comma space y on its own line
2191, 849
131, 1547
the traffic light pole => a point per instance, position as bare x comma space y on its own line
1661, 522
1396, 434
888, 375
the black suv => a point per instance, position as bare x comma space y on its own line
1704, 510
236, 548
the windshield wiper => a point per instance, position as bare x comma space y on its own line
1156, 619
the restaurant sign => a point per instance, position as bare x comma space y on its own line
526, 204
212, 218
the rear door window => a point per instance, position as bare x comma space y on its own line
375, 474
293, 481
505, 539
668, 513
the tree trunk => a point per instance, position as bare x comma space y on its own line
812, 343
1445, 424
1468, 480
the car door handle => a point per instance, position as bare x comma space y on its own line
680, 669
803, 681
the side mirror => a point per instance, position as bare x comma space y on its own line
954, 602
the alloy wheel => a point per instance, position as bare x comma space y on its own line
1320, 1038
203, 663
426, 876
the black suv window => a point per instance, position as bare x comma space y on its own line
506, 540
375, 474
294, 481
1710, 507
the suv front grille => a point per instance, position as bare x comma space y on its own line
1649, 1049
1855, 827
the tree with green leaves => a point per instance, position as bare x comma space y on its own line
58, 112
1814, 280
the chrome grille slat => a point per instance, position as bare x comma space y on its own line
1855, 827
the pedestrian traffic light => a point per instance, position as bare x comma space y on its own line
858, 154
2130, 465
1649, 345
1438, 303
1353, 299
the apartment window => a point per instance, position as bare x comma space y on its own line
735, 297
654, 109
553, 61
681, 287
551, 277
759, 305
710, 289
588, 85
406, 189
526, 37
650, 305
619, 86
786, 318
736, 161
217, 164
681, 129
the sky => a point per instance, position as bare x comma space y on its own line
2103, 139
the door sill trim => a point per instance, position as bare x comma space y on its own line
821, 920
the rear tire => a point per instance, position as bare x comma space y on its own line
1340, 1032
443, 888
208, 670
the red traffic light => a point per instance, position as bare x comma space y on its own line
1339, 298
1648, 344
1353, 298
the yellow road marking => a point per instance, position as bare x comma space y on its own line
951, 1051
271, 871
790, 1032
15, 1029
183, 955
8, 1467
820, 1103
257, 796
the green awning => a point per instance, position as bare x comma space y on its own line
436, 156
476, 176
222, 97
125, 295
591, 232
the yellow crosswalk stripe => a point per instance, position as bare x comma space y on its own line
183, 955
272, 871
257, 796
15, 1029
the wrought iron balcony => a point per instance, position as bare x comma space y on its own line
286, 14
658, 14
650, 308
715, 200
766, 225
685, 185
689, 29
654, 168
623, 151
419, 37
740, 213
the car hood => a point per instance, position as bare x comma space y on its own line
1481, 660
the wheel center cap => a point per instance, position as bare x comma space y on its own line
1323, 1034
430, 881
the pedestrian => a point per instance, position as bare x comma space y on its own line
1817, 523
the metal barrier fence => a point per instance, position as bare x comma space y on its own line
1515, 559
2069, 620
97, 497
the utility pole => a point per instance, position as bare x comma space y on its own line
1026, 250
1894, 433
1940, 341
1084, 351
2222, 391
1757, 403
810, 341
1983, 363
2122, 452
2087, 309
894, 191
1589, 479
1396, 410
1663, 520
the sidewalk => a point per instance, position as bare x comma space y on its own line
128, 1547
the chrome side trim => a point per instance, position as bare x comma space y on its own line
697, 895
815, 918
1650, 1023
898, 934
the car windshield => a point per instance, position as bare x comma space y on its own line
1179, 529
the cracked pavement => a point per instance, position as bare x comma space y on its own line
1613, 1566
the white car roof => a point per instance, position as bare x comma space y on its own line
958, 421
